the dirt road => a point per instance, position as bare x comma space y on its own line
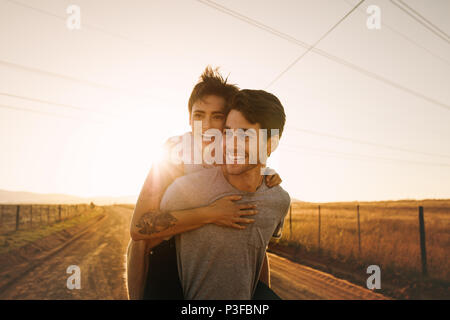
293, 281
100, 254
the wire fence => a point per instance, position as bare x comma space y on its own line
26, 217
399, 236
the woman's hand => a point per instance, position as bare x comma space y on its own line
273, 180
225, 212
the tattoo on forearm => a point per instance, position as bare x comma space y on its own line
154, 222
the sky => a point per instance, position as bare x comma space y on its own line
84, 112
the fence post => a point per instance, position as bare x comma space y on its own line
31, 216
59, 212
1, 218
290, 221
422, 242
359, 231
17, 217
318, 238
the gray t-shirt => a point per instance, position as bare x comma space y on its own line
216, 262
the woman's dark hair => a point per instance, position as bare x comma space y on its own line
259, 106
211, 82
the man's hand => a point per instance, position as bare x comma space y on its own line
225, 212
273, 180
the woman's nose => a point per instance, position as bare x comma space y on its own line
205, 124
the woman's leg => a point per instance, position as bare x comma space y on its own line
163, 282
137, 266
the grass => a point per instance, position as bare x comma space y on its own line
126, 206
389, 234
17, 239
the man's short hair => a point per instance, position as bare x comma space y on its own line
211, 82
259, 106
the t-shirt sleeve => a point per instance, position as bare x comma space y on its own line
174, 196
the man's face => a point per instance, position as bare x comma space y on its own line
236, 120
210, 111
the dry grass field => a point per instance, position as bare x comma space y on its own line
46, 222
389, 234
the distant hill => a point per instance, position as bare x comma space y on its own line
19, 197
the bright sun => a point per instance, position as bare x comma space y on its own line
123, 154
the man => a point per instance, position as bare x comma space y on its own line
151, 260
215, 262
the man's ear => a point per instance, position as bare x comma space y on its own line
272, 144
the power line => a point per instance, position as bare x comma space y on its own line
321, 153
253, 22
328, 135
284, 145
427, 21
423, 21
59, 75
47, 113
71, 78
402, 35
84, 25
421, 16
369, 157
313, 45
54, 103
77, 80
382, 79
322, 53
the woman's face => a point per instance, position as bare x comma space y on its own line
210, 111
